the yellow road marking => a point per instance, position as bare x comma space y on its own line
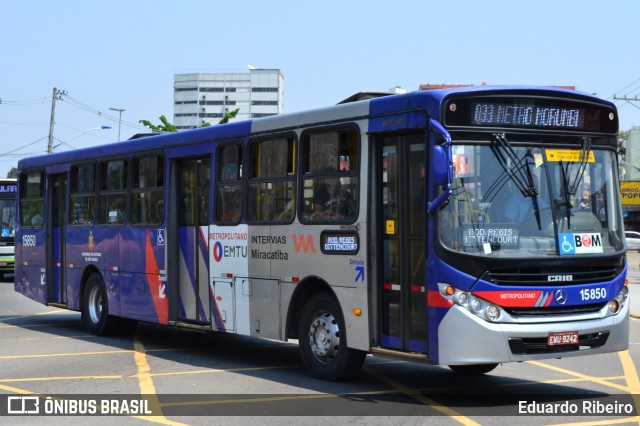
16, 390
126, 351
601, 422
423, 399
38, 314
216, 371
631, 376
45, 379
146, 383
585, 377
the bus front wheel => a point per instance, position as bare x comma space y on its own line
95, 309
322, 340
473, 370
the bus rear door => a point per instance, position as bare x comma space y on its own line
193, 185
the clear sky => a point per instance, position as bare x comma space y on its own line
124, 53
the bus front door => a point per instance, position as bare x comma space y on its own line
401, 195
56, 283
193, 183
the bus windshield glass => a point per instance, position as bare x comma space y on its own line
8, 211
513, 200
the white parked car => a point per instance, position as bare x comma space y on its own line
633, 240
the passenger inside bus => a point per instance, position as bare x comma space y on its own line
36, 220
331, 200
518, 208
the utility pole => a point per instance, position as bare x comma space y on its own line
57, 94
119, 110
628, 99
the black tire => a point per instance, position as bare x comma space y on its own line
473, 370
322, 340
95, 308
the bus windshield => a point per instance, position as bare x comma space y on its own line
8, 210
512, 200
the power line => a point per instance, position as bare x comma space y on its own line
624, 88
24, 146
20, 103
78, 104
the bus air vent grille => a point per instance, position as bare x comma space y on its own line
552, 276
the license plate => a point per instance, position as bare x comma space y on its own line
563, 338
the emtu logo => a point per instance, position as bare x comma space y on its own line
304, 243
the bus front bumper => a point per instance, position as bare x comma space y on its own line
467, 339
7, 264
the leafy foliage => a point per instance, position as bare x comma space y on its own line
162, 128
168, 127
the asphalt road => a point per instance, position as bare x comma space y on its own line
192, 378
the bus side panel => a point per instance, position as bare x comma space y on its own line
297, 253
30, 276
142, 275
73, 283
91, 247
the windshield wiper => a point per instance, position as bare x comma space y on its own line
584, 159
567, 200
570, 190
504, 153
520, 173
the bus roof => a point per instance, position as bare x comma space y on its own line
428, 100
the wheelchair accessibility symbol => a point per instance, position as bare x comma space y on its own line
160, 237
566, 243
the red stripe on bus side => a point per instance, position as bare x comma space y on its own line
435, 300
155, 285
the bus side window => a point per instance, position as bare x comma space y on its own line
147, 192
31, 200
83, 195
228, 201
330, 176
271, 189
113, 196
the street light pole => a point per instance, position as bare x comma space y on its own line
119, 110
80, 134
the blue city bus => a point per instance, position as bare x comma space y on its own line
465, 227
8, 192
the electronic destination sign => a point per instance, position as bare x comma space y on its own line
530, 113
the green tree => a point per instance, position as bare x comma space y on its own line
13, 173
622, 143
162, 128
168, 127
228, 115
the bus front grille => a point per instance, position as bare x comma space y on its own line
552, 276
556, 310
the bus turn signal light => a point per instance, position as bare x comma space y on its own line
357, 312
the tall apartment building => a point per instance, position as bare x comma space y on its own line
204, 97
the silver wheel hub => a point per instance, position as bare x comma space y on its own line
95, 305
324, 336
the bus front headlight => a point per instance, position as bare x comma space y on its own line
477, 306
493, 312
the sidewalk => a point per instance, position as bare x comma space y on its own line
633, 275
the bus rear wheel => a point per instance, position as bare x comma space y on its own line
322, 341
473, 370
95, 308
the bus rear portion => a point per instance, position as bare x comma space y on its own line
529, 251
